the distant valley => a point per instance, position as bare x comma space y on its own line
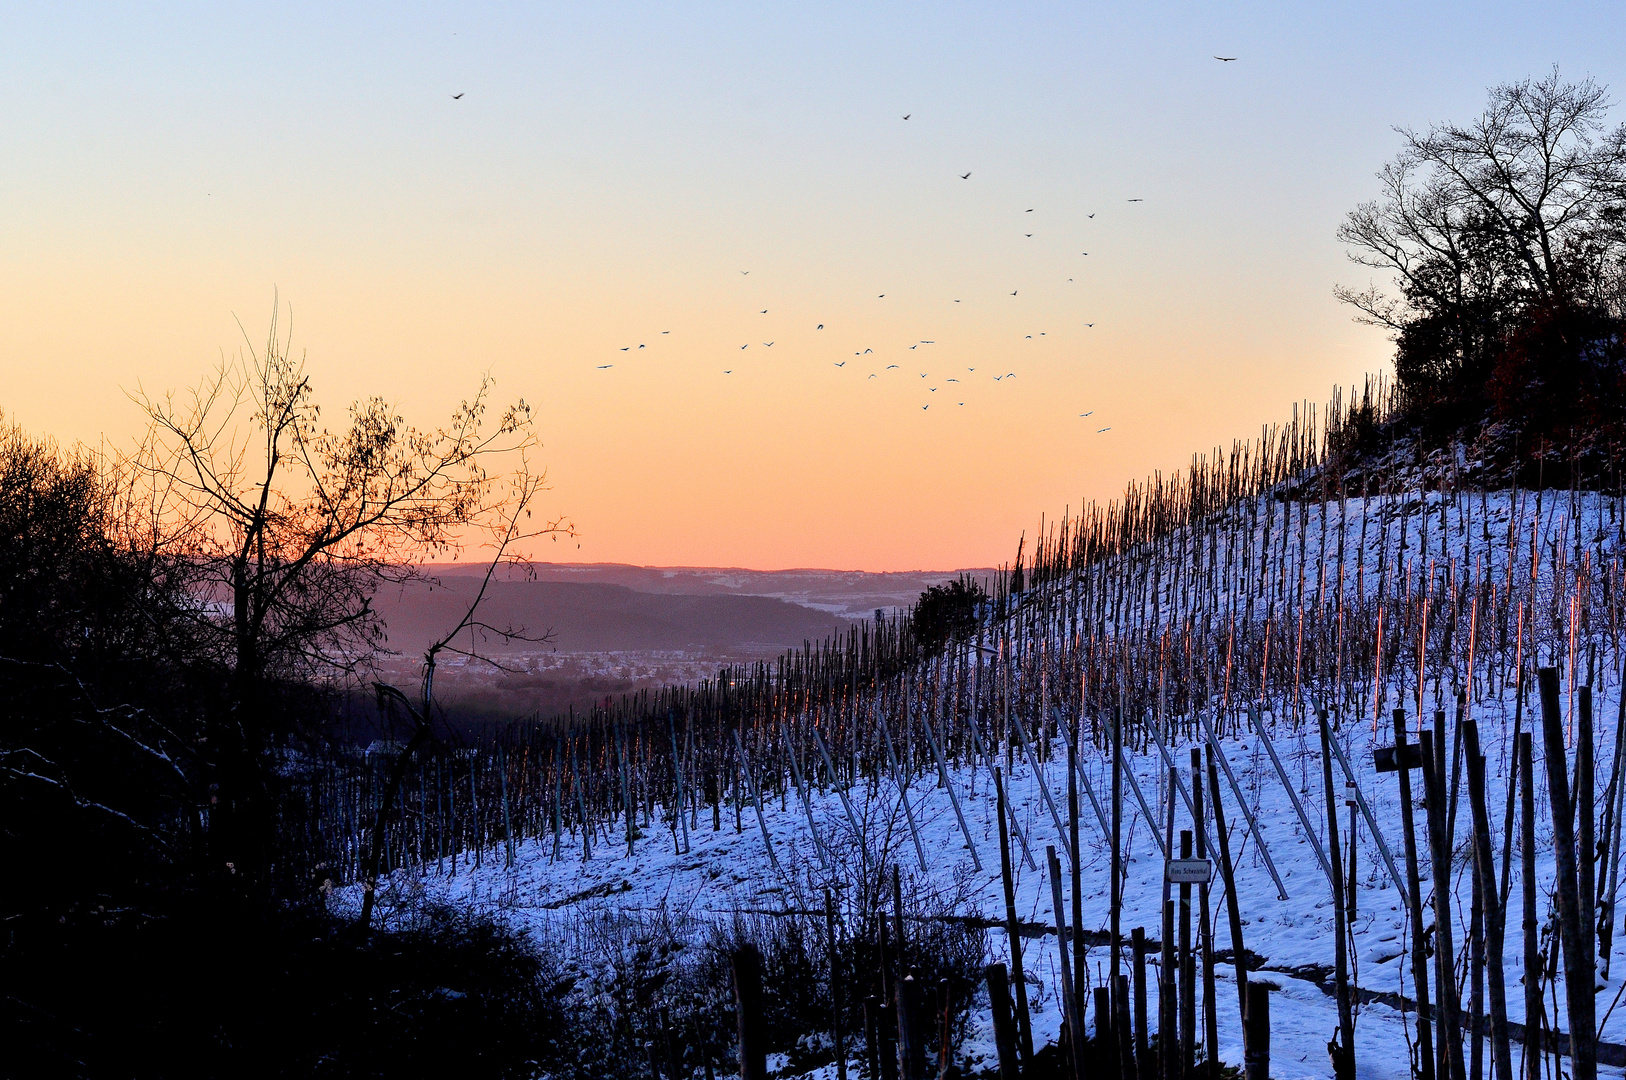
591, 631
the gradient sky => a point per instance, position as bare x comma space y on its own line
611, 170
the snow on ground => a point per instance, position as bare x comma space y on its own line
728, 871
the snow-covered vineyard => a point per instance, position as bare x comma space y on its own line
1224, 614
614, 906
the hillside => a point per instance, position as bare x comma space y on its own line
1180, 622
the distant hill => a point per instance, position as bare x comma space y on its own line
612, 628
853, 594
595, 617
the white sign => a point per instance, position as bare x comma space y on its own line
1189, 871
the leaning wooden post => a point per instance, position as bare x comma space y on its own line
999, 999
1342, 1049
1233, 907
753, 1048
756, 800
1495, 916
1578, 963
1256, 1059
677, 777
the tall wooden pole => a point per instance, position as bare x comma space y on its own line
1343, 1048
1414, 900
753, 1047
1024, 1028
1495, 917
1205, 934
1533, 1047
1188, 974
1578, 961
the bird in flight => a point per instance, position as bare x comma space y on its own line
907, 115
1083, 414
742, 274
872, 374
1137, 200
747, 345
842, 364
881, 297
925, 406
1227, 59
965, 176
1013, 292
889, 367
1028, 235
764, 311
1029, 210
1089, 324
1092, 215
924, 342
954, 380
1029, 337
605, 367
819, 327
624, 348
666, 331
1103, 429
456, 96
767, 344
730, 371
868, 351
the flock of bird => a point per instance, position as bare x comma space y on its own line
945, 381
893, 367
841, 364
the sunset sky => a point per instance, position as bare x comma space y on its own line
622, 176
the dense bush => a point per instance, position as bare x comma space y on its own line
198, 992
946, 613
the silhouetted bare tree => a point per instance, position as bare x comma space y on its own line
286, 528
1521, 210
